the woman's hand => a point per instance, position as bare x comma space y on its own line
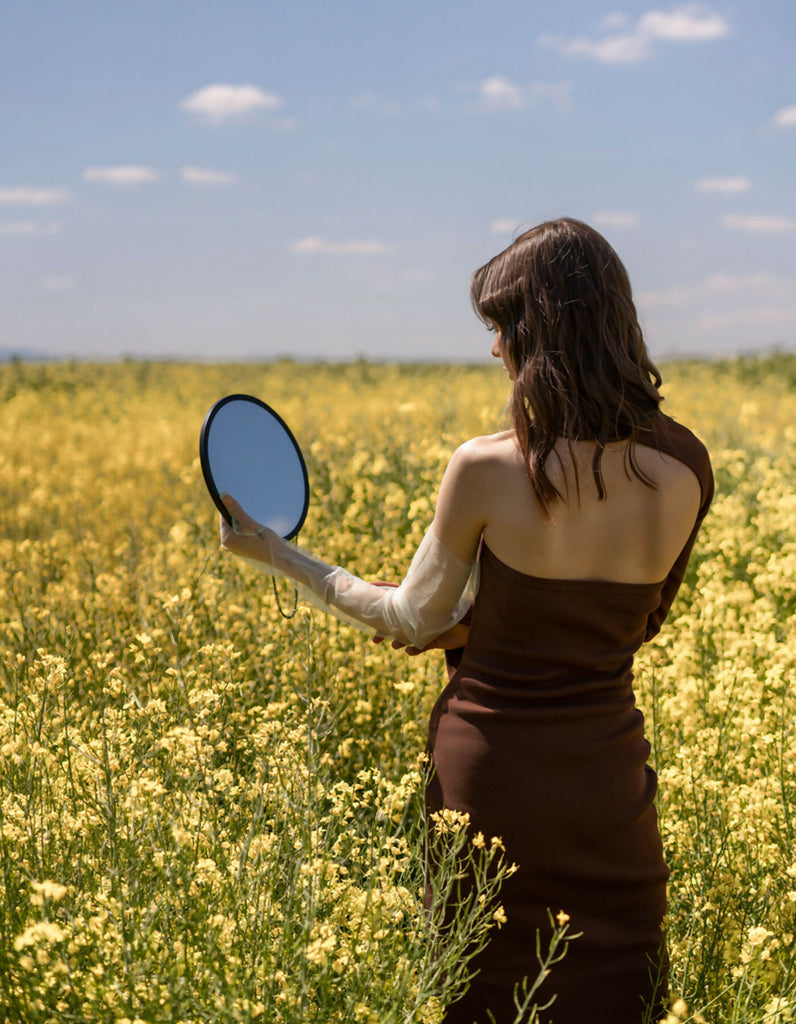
242, 521
239, 538
452, 638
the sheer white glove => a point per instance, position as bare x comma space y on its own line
436, 592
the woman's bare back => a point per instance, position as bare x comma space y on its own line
633, 536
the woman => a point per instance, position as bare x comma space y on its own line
581, 518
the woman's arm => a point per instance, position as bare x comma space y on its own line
452, 639
433, 596
460, 514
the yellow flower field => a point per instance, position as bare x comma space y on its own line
209, 812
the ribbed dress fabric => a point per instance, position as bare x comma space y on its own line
537, 736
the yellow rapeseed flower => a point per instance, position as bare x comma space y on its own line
50, 890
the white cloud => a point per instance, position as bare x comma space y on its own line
622, 49
503, 226
498, 93
685, 24
615, 219
786, 117
724, 185
122, 174
759, 224
314, 244
222, 102
206, 176
29, 227
688, 24
25, 196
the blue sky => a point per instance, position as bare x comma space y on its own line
320, 179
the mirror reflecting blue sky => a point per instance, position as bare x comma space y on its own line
252, 456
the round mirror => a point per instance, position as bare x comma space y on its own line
247, 451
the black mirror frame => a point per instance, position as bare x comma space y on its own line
204, 457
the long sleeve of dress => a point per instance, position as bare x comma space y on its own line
436, 592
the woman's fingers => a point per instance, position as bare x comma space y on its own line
229, 503
242, 522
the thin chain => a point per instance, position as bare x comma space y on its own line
282, 612
293, 610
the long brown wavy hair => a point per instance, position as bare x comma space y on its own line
561, 300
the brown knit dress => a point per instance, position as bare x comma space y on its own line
537, 736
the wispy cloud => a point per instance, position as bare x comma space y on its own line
121, 174
759, 282
207, 176
756, 317
223, 102
664, 297
628, 44
616, 19
372, 103
727, 301
688, 24
375, 277
498, 93
504, 226
724, 185
23, 195
58, 283
619, 49
760, 224
746, 285
786, 118
559, 94
29, 227
615, 219
314, 245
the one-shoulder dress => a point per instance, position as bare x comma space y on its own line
538, 738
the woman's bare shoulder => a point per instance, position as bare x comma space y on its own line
478, 466
487, 448
475, 474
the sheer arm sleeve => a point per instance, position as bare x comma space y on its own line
436, 592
